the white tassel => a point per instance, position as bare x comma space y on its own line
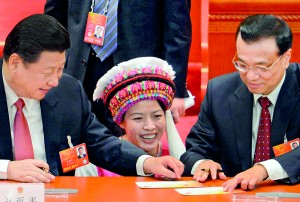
176, 146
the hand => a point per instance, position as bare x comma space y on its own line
177, 109
29, 171
248, 179
208, 168
167, 166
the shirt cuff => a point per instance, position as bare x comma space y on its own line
274, 169
3, 169
139, 165
195, 166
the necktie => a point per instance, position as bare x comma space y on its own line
22, 139
262, 150
110, 38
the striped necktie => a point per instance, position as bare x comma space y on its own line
110, 38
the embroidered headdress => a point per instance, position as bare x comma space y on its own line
144, 78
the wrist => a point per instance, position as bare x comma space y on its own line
263, 172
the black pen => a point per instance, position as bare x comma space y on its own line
208, 170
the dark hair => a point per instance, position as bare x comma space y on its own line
35, 34
257, 27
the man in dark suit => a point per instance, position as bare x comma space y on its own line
145, 28
56, 107
223, 140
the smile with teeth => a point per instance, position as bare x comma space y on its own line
148, 137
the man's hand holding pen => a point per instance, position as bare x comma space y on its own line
30, 170
209, 168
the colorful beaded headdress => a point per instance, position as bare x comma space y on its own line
144, 78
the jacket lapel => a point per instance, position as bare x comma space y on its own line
52, 125
241, 110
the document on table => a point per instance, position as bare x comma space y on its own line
204, 191
169, 184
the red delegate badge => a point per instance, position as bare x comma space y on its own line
286, 147
74, 157
95, 29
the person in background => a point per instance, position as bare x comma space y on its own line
138, 93
144, 28
43, 107
246, 113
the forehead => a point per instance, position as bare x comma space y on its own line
264, 44
49, 59
261, 50
144, 105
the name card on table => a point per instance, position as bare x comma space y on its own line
22, 192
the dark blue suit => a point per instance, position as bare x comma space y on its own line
223, 131
66, 111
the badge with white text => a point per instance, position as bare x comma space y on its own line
95, 29
74, 157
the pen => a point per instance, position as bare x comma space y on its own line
208, 170
46, 170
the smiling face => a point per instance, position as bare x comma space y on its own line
263, 52
144, 124
34, 80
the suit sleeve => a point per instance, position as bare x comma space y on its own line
201, 141
289, 164
177, 41
290, 160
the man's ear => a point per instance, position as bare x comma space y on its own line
14, 61
286, 57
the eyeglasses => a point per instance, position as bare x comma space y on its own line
242, 67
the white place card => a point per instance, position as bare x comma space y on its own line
19, 192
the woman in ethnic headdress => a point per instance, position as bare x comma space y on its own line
139, 93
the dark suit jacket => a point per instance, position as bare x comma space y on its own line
160, 28
223, 131
66, 111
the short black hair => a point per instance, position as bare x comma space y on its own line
256, 27
35, 34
